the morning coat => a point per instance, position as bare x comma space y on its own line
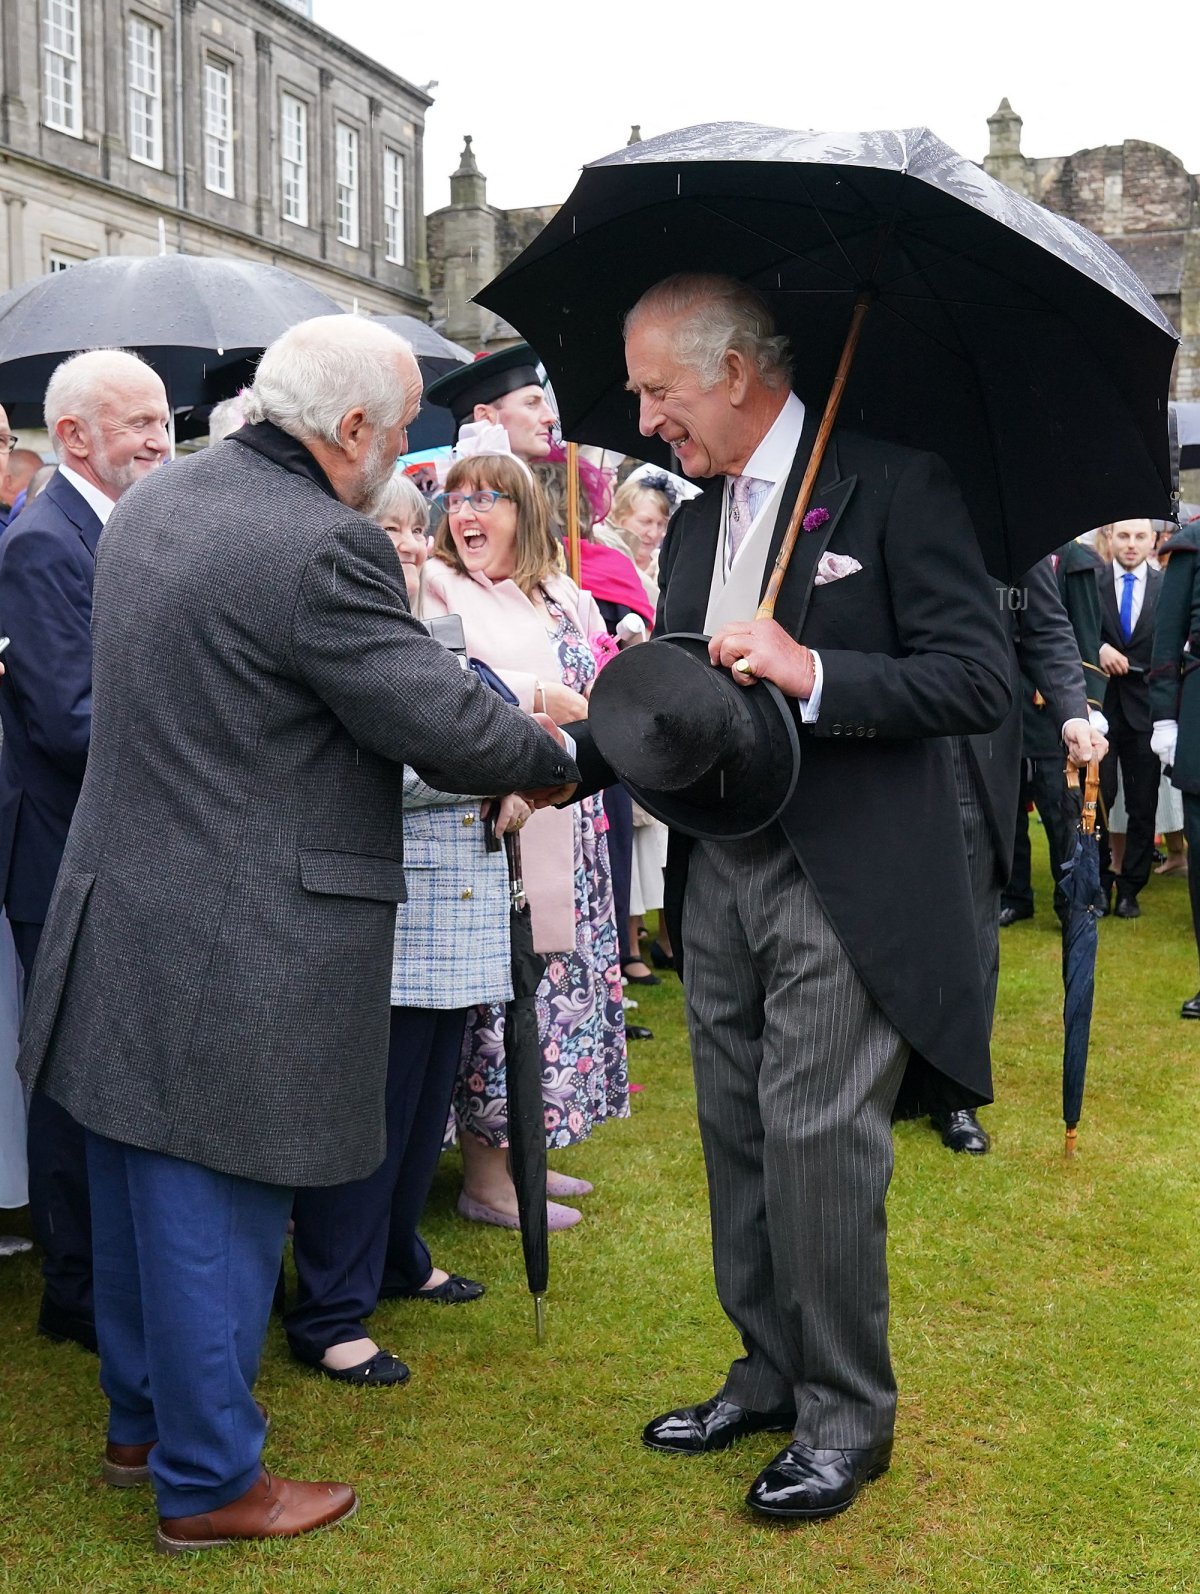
913, 652
1173, 681
214, 974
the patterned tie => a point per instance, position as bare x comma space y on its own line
1127, 604
744, 492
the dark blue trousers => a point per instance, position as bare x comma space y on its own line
618, 810
185, 1265
350, 1237
59, 1209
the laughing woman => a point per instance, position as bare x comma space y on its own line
495, 564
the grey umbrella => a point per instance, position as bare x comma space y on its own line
199, 320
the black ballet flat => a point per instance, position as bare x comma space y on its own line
638, 979
453, 1291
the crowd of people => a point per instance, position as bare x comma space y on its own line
256, 774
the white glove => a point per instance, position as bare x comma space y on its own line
1163, 739
631, 628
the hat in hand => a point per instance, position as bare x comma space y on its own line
698, 751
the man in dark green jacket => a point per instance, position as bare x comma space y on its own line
1042, 778
1175, 695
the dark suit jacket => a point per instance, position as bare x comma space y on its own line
213, 978
1175, 674
1075, 568
47, 565
913, 651
1127, 698
1044, 652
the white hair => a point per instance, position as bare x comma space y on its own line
316, 372
224, 418
713, 315
400, 499
83, 384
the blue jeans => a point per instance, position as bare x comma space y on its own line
185, 1263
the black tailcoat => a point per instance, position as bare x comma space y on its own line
913, 651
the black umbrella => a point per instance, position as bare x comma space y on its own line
1081, 885
437, 356
523, 1079
1007, 339
199, 320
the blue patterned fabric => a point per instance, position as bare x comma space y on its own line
451, 948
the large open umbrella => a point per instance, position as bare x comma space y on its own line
200, 321
1007, 339
1081, 884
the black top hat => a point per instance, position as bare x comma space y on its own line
698, 751
486, 379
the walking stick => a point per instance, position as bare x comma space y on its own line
766, 609
573, 512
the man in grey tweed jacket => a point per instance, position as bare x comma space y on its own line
211, 999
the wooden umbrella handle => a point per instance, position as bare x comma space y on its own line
1091, 793
766, 609
573, 555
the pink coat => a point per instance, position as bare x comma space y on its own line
503, 628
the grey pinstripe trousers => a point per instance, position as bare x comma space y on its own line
797, 1071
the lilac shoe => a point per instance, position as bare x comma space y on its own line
561, 1184
557, 1217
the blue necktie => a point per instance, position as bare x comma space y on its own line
1127, 604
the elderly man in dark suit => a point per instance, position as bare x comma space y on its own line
816, 953
211, 996
1128, 598
106, 412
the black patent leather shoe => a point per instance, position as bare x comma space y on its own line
56, 1323
806, 1484
1012, 915
381, 1369
1191, 1008
713, 1425
1127, 908
454, 1290
962, 1131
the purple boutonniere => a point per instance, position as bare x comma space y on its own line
815, 519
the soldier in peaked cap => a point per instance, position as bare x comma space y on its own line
503, 388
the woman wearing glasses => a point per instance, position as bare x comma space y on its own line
495, 564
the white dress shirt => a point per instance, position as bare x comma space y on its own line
770, 463
100, 502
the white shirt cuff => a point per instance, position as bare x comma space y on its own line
810, 706
1097, 721
570, 746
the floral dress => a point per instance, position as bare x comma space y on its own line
580, 1017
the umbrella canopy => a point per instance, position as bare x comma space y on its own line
1081, 884
436, 356
523, 1078
1009, 340
198, 319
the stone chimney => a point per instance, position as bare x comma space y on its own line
468, 185
635, 135
1004, 160
468, 251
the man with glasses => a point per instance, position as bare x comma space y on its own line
106, 412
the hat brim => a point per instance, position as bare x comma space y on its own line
716, 806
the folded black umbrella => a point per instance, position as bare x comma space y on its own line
1005, 338
200, 321
1081, 886
523, 1082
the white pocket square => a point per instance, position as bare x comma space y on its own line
833, 566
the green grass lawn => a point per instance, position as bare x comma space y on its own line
1044, 1326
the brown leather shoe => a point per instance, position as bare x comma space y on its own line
125, 1466
272, 1508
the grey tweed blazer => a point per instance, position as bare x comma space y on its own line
213, 978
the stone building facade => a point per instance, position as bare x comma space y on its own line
1140, 199
234, 127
